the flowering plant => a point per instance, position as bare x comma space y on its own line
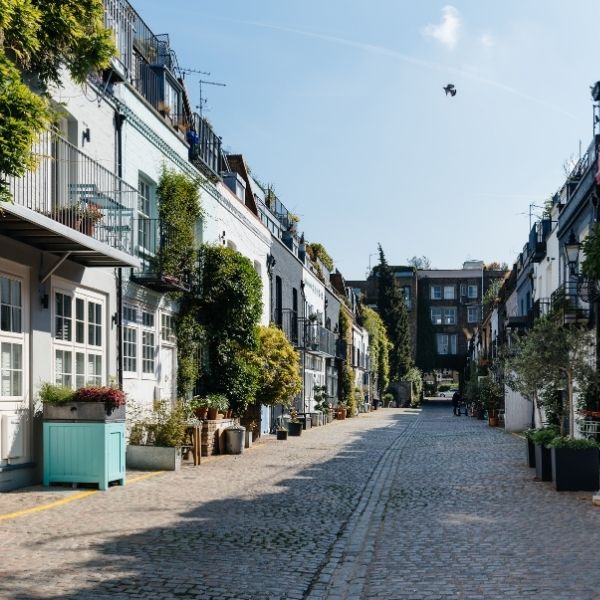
112, 397
92, 212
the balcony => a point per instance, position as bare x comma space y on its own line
205, 147
155, 272
540, 308
71, 205
307, 335
537, 239
569, 305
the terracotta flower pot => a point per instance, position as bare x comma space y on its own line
201, 413
213, 414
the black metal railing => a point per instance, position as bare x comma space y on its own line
205, 145
540, 308
566, 301
119, 16
152, 240
306, 334
72, 189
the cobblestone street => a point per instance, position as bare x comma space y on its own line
395, 504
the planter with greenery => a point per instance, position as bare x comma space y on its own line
491, 395
216, 405
94, 403
388, 399
282, 433
543, 457
575, 464
294, 424
164, 433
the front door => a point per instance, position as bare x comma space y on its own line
168, 383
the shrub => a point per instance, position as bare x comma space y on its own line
543, 436
170, 426
572, 443
56, 394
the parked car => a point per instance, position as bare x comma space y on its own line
448, 393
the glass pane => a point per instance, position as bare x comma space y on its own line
5, 290
16, 293
5, 385
16, 320
17, 386
5, 318
17, 352
67, 357
67, 306
79, 329
59, 304
80, 363
98, 313
79, 309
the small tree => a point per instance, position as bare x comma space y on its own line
279, 368
552, 357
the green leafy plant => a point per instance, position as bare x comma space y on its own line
388, 398
278, 367
573, 444
543, 436
591, 249
415, 378
168, 427
346, 388
51, 393
318, 252
379, 347
218, 401
294, 416
491, 394
42, 39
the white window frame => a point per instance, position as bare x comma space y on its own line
449, 292
470, 310
449, 315
449, 342
136, 321
167, 324
89, 349
434, 292
436, 315
20, 339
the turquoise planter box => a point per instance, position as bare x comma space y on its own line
83, 452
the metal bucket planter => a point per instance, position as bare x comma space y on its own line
248, 439
153, 458
234, 439
543, 463
295, 429
83, 411
576, 469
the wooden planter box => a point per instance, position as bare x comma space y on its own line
575, 469
83, 411
543, 463
153, 458
84, 452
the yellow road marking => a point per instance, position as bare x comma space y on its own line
68, 499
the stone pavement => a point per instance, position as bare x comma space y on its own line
391, 505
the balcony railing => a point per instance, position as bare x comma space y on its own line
308, 335
205, 146
151, 243
540, 308
567, 302
70, 188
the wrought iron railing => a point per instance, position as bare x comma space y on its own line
566, 301
306, 334
119, 16
156, 271
205, 145
72, 189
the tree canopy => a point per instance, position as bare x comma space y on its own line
392, 308
38, 38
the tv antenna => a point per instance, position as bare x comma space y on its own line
203, 101
184, 71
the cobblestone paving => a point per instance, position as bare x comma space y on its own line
392, 505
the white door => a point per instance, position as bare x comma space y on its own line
168, 382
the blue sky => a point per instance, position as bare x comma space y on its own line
339, 104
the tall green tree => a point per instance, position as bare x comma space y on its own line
392, 308
38, 38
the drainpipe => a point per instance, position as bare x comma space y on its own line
119, 120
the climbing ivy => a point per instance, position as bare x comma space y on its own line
230, 308
348, 377
178, 211
318, 252
379, 347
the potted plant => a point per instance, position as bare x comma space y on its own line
575, 464
491, 394
90, 215
165, 432
282, 431
294, 424
93, 403
341, 411
387, 399
250, 428
199, 407
216, 403
69, 214
543, 457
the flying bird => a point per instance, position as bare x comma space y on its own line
450, 89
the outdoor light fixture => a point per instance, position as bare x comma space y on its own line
572, 251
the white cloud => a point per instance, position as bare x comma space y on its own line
448, 31
486, 40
